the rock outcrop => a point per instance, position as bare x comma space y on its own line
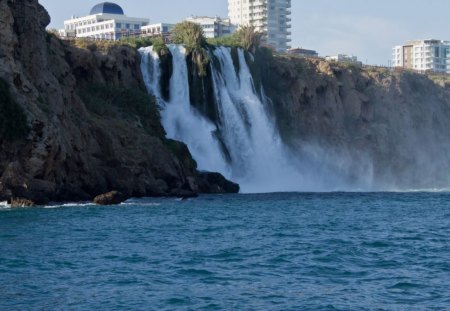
20, 202
370, 128
88, 126
110, 198
214, 183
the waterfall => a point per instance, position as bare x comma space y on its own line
180, 120
259, 161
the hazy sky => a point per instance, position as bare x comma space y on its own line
365, 28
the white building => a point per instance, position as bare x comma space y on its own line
423, 55
106, 21
272, 17
157, 30
214, 27
343, 58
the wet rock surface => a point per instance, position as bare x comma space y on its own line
215, 183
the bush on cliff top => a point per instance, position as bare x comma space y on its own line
246, 37
192, 37
13, 121
105, 45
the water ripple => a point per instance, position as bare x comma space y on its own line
379, 251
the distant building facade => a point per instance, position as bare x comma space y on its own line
303, 52
106, 21
271, 17
214, 27
158, 30
423, 55
343, 58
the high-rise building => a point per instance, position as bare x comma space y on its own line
271, 17
214, 27
423, 55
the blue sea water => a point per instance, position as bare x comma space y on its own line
338, 251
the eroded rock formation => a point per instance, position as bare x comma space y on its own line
90, 127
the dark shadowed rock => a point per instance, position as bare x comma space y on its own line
91, 126
110, 198
20, 202
216, 183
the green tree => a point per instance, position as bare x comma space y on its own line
249, 38
190, 35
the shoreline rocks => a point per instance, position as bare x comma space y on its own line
91, 125
216, 183
110, 198
20, 203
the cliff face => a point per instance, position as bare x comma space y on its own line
89, 126
369, 128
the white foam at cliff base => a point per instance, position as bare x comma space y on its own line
85, 204
4, 205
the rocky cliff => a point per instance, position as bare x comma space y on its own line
78, 123
368, 128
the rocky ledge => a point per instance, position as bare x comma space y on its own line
76, 123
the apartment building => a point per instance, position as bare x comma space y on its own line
158, 30
271, 17
214, 27
106, 21
423, 55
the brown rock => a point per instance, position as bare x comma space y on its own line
110, 198
20, 202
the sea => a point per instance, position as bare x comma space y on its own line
286, 251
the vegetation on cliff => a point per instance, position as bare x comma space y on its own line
13, 120
132, 104
104, 46
192, 37
246, 37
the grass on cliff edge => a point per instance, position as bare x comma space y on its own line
132, 104
13, 121
105, 45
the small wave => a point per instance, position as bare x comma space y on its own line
139, 204
406, 286
68, 205
424, 190
4, 205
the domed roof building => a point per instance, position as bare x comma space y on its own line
107, 8
106, 21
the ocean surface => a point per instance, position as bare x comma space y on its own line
338, 251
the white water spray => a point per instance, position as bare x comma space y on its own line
259, 161
180, 120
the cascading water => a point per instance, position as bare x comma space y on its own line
180, 120
258, 160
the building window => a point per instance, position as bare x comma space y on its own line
436, 51
118, 25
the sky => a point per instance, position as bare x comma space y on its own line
367, 29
